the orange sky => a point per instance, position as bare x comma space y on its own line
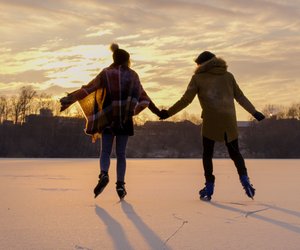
56, 46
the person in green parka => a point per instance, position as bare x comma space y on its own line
217, 89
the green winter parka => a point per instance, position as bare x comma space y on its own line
216, 89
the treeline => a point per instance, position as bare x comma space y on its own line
273, 138
29, 129
64, 137
27, 101
46, 137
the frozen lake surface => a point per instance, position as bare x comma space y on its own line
49, 204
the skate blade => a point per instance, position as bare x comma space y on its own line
205, 198
121, 195
122, 198
250, 194
96, 194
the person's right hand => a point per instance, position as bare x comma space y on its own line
164, 114
65, 102
259, 116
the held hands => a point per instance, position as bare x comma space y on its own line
258, 116
163, 114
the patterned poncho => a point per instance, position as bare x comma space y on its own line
111, 99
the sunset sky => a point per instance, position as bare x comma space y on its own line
57, 46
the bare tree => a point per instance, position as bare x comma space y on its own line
21, 105
56, 108
42, 101
25, 98
16, 109
3, 108
274, 111
294, 111
282, 112
185, 116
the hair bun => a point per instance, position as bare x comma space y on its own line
114, 47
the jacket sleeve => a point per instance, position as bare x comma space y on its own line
153, 108
81, 93
186, 99
242, 99
143, 99
85, 90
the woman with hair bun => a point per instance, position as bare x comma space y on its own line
109, 102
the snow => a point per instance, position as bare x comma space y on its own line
49, 204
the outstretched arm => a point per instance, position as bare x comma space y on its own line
66, 102
79, 94
245, 103
154, 109
185, 100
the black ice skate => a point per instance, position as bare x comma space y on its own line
120, 188
103, 181
207, 191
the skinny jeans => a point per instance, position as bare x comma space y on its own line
234, 153
106, 149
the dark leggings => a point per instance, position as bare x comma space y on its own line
234, 153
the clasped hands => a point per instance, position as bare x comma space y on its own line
163, 114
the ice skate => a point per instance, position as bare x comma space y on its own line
250, 191
103, 181
207, 191
120, 188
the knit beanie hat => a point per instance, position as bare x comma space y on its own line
120, 56
204, 56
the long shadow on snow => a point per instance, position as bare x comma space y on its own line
254, 214
153, 240
114, 229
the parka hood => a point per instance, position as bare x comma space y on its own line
215, 66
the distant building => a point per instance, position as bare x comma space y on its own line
46, 117
46, 112
7, 123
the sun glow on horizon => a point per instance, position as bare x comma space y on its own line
56, 46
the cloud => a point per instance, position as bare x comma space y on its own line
56, 90
30, 76
65, 43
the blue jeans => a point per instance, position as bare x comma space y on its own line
106, 148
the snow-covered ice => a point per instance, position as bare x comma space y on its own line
49, 204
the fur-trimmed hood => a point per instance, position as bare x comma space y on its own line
215, 65
216, 89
